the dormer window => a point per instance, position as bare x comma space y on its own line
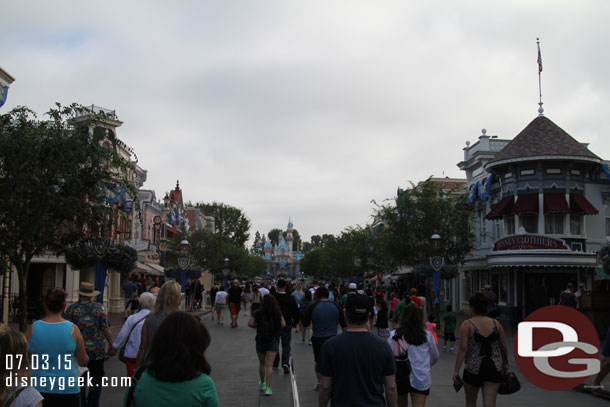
553, 171
575, 172
508, 175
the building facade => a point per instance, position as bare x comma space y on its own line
282, 258
540, 215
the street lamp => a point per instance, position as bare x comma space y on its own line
184, 261
225, 272
436, 261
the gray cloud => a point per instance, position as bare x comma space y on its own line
311, 110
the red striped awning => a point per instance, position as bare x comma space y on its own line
502, 208
526, 204
555, 202
579, 205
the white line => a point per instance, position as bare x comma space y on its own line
295, 391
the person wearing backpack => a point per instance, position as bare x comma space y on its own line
268, 321
324, 315
413, 340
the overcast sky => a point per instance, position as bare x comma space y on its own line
311, 109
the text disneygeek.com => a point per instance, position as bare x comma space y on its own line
51, 383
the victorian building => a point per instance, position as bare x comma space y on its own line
541, 209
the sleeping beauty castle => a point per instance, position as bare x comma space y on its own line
281, 258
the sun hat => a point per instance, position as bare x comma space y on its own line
86, 290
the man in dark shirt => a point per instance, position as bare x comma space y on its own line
356, 366
325, 315
290, 310
235, 293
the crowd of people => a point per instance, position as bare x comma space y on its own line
383, 355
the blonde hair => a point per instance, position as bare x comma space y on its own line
168, 299
13, 343
299, 288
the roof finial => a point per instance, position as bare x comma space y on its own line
540, 109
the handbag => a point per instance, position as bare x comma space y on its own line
403, 365
122, 350
510, 384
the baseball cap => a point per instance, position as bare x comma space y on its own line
352, 286
357, 304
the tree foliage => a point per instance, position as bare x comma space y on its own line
229, 221
54, 178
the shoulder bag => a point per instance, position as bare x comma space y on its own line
510, 384
403, 364
122, 350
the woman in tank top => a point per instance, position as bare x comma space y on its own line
56, 347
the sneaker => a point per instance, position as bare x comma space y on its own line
268, 392
316, 387
261, 386
286, 369
451, 350
309, 343
444, 349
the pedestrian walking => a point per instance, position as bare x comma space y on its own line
247, 297
567, 297
213, 292
449, 322
197, 294
306, 331
92, 320
235, 293
290, 311
132, 306
356, 367
68, 340
14, 345
220, 302
131, 333
129, 287
383, 330
393, 303
325, 316
268, 321
177, 372
167, 302
418, 343
483, 352
492, 301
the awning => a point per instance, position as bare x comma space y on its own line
526, 204
148, 268
579, 205
555, 202
502, 208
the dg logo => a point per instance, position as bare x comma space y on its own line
557, 348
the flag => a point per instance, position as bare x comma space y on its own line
539, 60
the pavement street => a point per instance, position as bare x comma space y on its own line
235, 373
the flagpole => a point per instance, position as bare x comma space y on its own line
540, 109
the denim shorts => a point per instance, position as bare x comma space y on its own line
263, 346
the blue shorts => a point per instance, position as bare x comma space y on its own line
263, 346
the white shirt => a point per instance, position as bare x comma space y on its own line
422, 358
133, 342
221, 298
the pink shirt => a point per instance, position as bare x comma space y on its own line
393, 304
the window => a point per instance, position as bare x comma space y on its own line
575, 172
529, 223
508, 175
553, 224
528, 172
576, 225
509, 225
499, 285
553, 171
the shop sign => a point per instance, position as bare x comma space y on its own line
529, 242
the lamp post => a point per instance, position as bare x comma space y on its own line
436, 261
184, 261
225, 272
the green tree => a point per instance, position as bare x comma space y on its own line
229, 221
257, 245
54, 179
274, 236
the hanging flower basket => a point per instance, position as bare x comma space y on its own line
120, 258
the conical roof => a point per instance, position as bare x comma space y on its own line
542, 139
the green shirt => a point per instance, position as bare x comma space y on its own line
449, 320
197, 392
398, 310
